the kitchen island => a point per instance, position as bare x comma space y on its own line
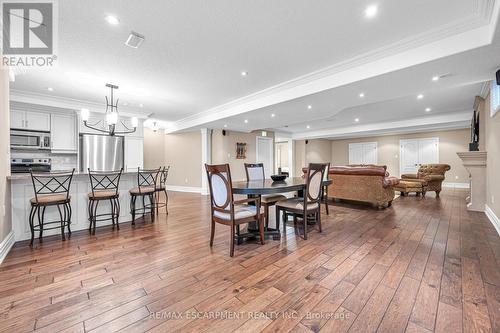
22, 192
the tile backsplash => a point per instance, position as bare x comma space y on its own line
59, 161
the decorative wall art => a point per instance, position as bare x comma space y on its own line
241, 150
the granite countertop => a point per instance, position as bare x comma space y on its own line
25, 176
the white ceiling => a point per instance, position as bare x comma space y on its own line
190, 64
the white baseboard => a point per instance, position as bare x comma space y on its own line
6, 245
456, 185
189, 189
493, 218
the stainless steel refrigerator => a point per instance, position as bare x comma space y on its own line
101, 152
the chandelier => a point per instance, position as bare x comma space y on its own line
110, 118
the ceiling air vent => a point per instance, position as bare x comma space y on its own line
134, 40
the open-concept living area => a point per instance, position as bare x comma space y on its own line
250, 166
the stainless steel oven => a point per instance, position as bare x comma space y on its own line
29, 140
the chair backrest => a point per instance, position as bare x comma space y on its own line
433, 169
147, 178
254, 171
314, 182
58, 182
104, 180
164, 175
221, 189
327, 171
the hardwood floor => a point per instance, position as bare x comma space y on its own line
423, 265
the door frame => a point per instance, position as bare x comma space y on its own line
401, 141
271, 151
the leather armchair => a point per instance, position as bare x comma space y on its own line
431, 174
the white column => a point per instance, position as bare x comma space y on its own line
475, 163
206, 157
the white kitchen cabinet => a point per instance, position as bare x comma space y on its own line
37, 121
17, 119
134, 153
64, 134
27, 120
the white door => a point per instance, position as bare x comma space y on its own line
63, 133
264, 154
416, 152
37, 121
355, 153
428, 151
363, 153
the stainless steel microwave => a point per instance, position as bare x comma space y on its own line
29, 140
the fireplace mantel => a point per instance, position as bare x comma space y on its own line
475, 163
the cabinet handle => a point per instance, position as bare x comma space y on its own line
25, 123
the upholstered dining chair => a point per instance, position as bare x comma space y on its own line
324, 194
225, 210
146, 187
310, 203
255, 172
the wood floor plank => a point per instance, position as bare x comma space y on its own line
422, 265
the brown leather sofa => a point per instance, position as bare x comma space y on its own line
365, 183
431, 174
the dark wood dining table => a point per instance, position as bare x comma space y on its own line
261, 187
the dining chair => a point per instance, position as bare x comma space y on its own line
146, 187
324, 194
161, 187
225, 210
255, 172
51, 189
310, 203
104, 187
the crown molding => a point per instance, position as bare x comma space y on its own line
456, 120
45, 102
456, 37
485, 89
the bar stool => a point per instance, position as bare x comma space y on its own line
51, 189
162, 187
104, 185
146, 187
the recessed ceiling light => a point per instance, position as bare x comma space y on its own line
361, 95
246, 121
428, 109
356, 120
225, 125
308, 127
125, 103
420, 96
244, 73
435, 78
273, 115
141, 105
50, 89
371, 11
309, 107
113, 20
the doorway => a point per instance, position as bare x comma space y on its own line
265, 154
415, 152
